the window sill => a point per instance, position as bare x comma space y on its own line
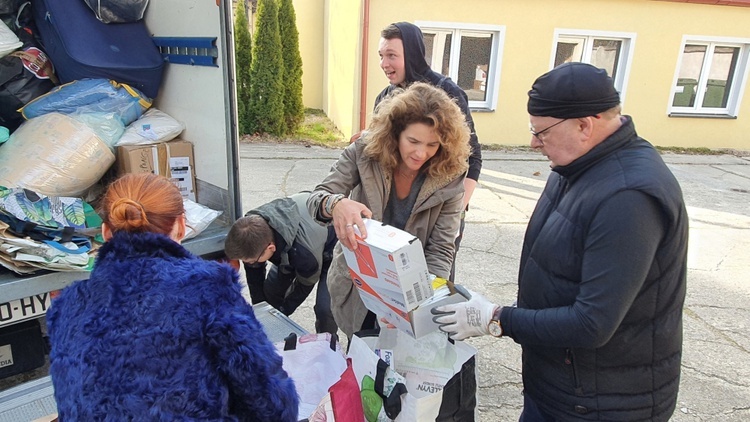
481, 110
703, 116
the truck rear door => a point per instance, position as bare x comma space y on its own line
196, 39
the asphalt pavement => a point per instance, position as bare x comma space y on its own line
715, 381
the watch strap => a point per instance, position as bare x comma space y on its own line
496, 314
495, 322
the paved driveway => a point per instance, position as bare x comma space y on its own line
715, 383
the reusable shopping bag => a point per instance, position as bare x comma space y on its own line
434, 377
315, 362
46, 232
343, 402
49, 219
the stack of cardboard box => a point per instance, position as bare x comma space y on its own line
390, 272
173, 159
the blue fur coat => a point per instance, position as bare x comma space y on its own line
159, 334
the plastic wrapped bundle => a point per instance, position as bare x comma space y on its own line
91, 96
109, 11
8, 40
54, 155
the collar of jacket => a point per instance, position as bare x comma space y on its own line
623, 137
142, 244
446, 187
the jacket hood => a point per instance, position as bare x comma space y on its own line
415, 65
283, 216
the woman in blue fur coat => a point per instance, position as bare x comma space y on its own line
156, 333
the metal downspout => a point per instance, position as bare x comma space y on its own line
363, 75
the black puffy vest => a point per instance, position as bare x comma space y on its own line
635, 375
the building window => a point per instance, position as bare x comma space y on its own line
606, 50
709, 76
469, 55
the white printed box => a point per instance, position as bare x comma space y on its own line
390, 264
390, 273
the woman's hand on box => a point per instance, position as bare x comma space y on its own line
347, 221
384, 323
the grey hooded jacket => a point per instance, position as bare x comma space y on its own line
304, 239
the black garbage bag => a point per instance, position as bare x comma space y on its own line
25, 74
8, 7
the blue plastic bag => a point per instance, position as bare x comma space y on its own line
91, 96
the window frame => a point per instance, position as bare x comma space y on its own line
492, 85
739, 80
626, 52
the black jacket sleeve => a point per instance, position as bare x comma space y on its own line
256, 277
475, 159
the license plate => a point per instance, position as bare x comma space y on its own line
26, 308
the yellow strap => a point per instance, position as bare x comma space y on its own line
46, 65
142, 101
52, 91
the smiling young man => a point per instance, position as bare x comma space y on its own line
602, 278
402, 58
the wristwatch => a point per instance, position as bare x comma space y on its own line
494, 327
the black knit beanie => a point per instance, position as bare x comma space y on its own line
572, 90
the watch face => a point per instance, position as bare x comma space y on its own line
495, 328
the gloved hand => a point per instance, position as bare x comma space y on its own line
465, 319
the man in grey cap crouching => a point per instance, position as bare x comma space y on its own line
601, 283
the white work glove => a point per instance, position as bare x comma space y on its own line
465, 319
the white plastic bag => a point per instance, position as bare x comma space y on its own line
367, 369
153, 127
314, 366
426, 366
8, 40
198, 216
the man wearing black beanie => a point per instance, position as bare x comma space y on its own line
602, 278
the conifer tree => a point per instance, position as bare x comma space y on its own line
266, 73
243, 59
293, 107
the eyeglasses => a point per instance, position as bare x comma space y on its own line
262, 251
538, 135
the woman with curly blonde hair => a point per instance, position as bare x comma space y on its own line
406, 170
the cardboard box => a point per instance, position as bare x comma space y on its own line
417, 322
172, 159
390, 264
390, 272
